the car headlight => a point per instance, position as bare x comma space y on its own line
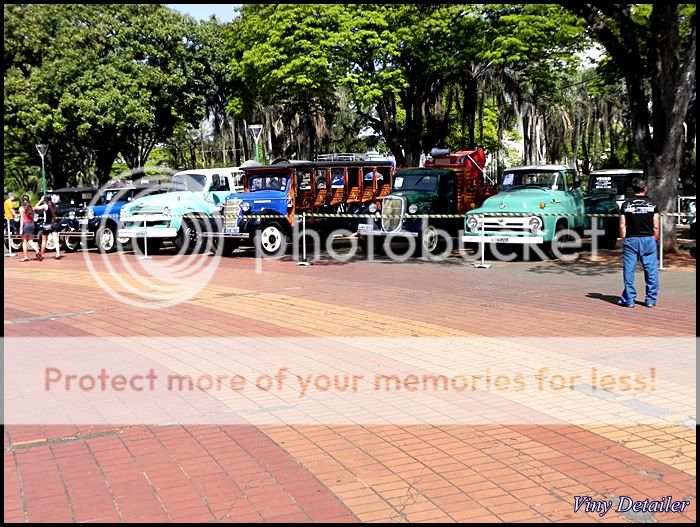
372, 208
472, 223
166, 211
91, 214
245, 206
71, 215
413, 209
535, 224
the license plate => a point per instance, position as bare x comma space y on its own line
232, 230
365, 227
83, 222
500, 240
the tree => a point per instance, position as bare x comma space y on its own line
654, 48
94, 81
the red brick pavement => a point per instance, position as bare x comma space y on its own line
245, 473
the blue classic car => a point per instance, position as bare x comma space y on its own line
100, 221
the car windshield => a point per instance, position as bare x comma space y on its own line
256, 183
612, 184
188, 182
73, 198
416, 182
524, 179
112, 196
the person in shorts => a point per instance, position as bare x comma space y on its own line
26, 228
51, 225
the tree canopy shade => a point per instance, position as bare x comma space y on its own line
95, 81
654, 48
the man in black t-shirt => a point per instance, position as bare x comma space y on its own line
639, 231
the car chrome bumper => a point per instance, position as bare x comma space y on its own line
378, 232
237, 235
148, 232
520, 240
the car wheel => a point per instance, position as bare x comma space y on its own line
14, 243
71, 243
105, 239
50, 243
271, 240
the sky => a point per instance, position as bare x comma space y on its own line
223, 12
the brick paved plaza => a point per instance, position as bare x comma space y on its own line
349, 473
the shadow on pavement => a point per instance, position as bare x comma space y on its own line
611, 299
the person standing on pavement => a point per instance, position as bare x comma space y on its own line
50, 229
26, 227
10, 211
639, 231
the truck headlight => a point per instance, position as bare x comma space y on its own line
123, 213
71, 215
472, 223
166, 211
91, 214
413, 209
372, 208
245, 206
535, 224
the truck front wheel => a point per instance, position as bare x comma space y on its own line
225, 245
430, 241
188, 238
271, 240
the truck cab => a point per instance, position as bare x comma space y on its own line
182, 212
449, 185
536, 206
284, 190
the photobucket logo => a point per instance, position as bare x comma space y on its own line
129, 224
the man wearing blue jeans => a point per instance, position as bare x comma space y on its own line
639, 231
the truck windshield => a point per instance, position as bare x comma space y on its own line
611, 184
515, 180
188, 182
416, 182
256, 183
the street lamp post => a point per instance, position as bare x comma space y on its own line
256, 131
42, 149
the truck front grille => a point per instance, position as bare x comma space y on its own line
392, 207
232, 212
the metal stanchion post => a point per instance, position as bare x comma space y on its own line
9, 239
303, 241
145, 242
661, 244
482, 265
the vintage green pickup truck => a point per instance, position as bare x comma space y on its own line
541, 205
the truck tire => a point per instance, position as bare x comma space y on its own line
106, 239
271, 240
188, 239
552, 248
430, 242
153, 245
225, 245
